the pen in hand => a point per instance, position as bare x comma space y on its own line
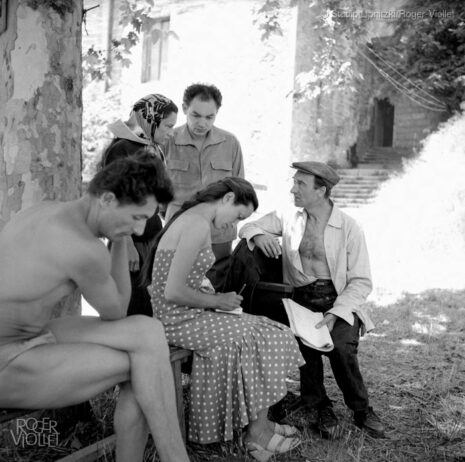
242, 289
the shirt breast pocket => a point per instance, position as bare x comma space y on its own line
220, 168
179, 171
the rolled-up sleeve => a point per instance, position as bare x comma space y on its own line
270, 224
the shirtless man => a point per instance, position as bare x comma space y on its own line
325, 258
47, 252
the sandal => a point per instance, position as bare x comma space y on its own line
278, 444
285, 430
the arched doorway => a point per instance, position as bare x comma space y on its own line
383, 119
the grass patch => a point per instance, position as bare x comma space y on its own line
414, 367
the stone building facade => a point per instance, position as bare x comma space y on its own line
216, 41
219, 41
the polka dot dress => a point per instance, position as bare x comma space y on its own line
240, 362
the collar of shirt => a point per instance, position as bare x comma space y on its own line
335, 219
183, 137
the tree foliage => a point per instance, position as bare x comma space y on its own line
428, 47
334, 60
136, 18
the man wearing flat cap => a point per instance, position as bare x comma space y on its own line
325, 259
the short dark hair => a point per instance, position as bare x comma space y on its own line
134, 178
204, 92
319, 182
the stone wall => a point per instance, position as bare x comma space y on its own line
412, 122
324, 127
218, 41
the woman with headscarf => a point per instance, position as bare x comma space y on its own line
150, 122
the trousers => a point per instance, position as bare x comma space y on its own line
319, 296
219, 271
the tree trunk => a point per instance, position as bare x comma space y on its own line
40, 103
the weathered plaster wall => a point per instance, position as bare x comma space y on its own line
325, 126
412, 122
40, 104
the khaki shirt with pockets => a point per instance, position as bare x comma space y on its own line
192, 170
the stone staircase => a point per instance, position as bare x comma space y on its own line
359, 186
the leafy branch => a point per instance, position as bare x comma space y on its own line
334, 64
136, 19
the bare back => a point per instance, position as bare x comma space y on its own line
38, 249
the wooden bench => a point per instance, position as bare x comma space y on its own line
91, 453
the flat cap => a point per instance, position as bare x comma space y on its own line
318, 169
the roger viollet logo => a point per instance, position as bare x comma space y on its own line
35, 432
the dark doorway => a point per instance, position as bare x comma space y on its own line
383, 123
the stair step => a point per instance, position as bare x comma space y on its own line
363, 185
356, 188
355, 200
359, 186
363, 179
353, 195
365, 171
352, 204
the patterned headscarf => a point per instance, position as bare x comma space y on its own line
149, 113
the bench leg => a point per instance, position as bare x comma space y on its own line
176, 366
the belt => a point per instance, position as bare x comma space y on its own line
314, 284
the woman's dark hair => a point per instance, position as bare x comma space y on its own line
132, 179
204, 92
244, 194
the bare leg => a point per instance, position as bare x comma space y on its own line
154, 391
130, 426
93, 355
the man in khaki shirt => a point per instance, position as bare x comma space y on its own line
199, 154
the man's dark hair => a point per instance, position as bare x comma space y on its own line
319, 182
204, 92
133, 179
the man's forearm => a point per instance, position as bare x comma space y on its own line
120, 271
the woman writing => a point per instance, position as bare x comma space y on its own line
151, 121
240, 362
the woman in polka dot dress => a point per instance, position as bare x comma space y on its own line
240, 361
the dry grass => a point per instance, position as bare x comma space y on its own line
414, 367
